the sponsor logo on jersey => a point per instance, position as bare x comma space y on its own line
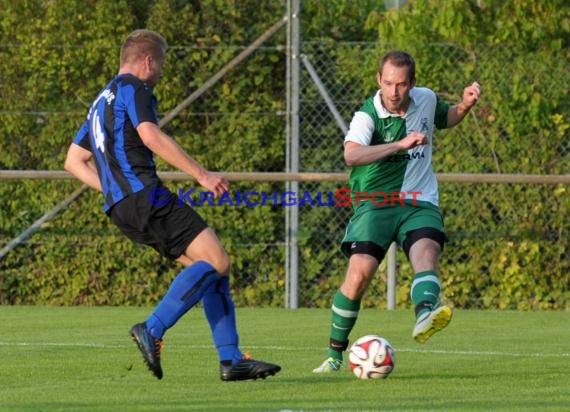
404, 157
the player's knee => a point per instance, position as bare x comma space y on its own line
221, 263
355, 283
427, 239
424, 252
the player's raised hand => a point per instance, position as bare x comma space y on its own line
471, 94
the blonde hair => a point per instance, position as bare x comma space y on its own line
141, 43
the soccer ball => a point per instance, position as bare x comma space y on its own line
372, 357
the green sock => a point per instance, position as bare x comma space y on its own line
425, 292
344, 314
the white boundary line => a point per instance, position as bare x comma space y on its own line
287, 348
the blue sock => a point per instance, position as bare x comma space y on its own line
185, 291
220, 312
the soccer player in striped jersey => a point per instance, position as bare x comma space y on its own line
113, 153
395, 197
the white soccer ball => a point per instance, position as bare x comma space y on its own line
372, 357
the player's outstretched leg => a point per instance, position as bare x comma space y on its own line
431, 322
344, 313
149, 346
184, 292
430, 318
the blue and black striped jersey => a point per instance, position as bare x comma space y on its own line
124, 163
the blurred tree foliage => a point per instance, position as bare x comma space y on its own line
56, 55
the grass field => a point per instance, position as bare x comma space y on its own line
82, 359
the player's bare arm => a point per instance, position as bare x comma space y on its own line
167, 149
357, 155
78, 163
457, 112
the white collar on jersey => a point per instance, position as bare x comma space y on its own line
383, 113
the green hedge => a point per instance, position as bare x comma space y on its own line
508, 244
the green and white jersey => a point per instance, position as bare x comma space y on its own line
405, 171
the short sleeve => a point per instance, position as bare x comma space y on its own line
142, 107
441, 109
361, 129
82, 136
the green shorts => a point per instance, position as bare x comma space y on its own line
384, 225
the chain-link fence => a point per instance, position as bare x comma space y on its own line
503, 237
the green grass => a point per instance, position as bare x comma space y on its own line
82, 359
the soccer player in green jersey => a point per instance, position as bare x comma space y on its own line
389, 147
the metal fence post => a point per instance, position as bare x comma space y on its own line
292, 212
391, 277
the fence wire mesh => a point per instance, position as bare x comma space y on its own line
502, 235
487, 241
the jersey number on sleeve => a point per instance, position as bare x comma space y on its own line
98, 132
